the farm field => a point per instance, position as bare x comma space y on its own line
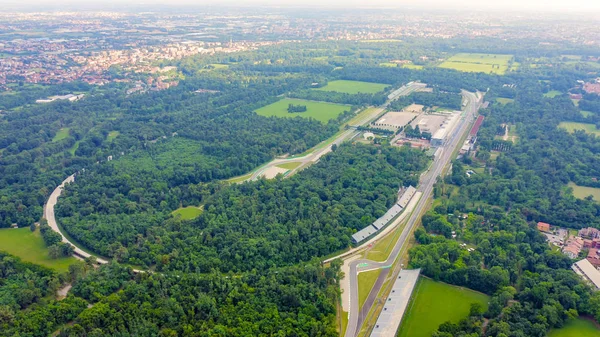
188, 213
577, 328
486, 63
434, 303
61, 134
320, 111
552, 93
353, 87
572, 126
581, 192
30, 247
366, 280
504, 101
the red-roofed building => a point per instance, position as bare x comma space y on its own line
543, 227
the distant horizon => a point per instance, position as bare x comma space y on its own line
547, 6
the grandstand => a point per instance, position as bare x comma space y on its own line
405, 195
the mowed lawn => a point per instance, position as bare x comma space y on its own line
572, 126
30, 247
188, 213
434, 303
484, 63
576, 328
320, 111
583, 191
353, 87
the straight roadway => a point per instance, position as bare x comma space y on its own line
428, 179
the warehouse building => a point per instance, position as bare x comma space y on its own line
587, 271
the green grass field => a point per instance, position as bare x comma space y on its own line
552, 93
320, 111
434, 303
572, 126
413, 66
112, 135
61, 134
583, 191
353, 87
74, 147
30, 247
381, 250
289, 166
366, 280
577, 328
504, 101
485, 63
188, 213
388, 64
586, 113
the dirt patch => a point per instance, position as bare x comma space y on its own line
273, 171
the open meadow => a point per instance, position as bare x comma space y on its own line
573, 126
581, 192
30, 247
485, 63
188, 213
576, 328
61, 134
434, 303
320, 111
353, 87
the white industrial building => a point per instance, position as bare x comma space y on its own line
588, 272
440, 136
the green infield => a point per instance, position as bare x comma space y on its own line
188, 213
61, 134
573, 126
289, 166
320, 111
484, 63
552, 93
581, 192
354, 87
30, 247
366, 281
577, 328
434, 303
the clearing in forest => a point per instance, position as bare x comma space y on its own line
484, 63
552, 93
571, 127
581, 192
434, 303
30, 247
320, 111
577, 328
61, 134
188, 213
504, 101
353, 87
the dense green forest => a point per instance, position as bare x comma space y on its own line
253, 225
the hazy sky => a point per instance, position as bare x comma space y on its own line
543, 5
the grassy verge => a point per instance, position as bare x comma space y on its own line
289, 166
366, 280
